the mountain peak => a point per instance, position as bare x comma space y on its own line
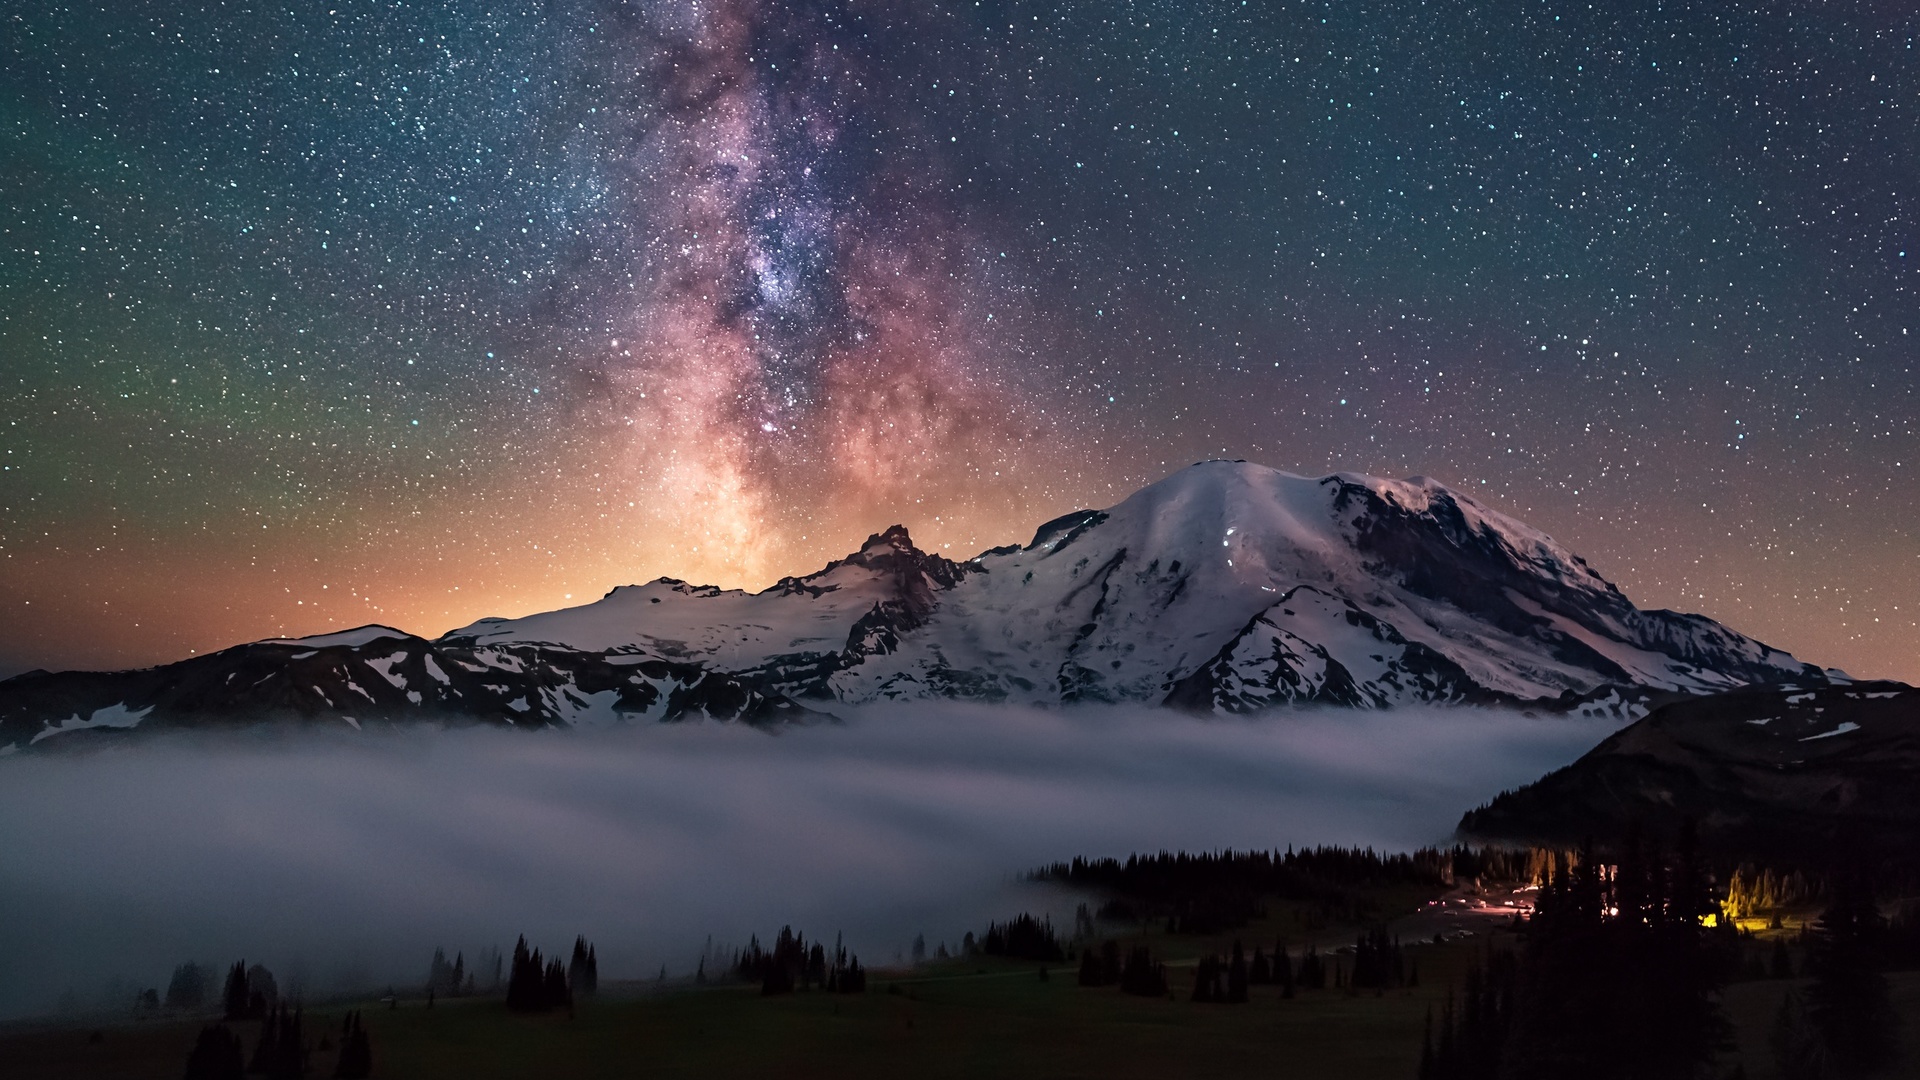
1226, 586
894, 537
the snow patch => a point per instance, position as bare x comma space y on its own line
1845, 726
113, 716
384, 665
358, 636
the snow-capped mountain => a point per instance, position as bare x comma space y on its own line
1225, 587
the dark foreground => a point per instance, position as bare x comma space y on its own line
952, 1019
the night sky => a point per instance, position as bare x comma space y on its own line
313, 315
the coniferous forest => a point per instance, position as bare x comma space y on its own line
1629, 960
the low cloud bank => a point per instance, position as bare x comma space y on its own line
342, 861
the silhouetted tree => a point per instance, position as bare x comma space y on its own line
534, 984
1023, 938
583, 971
1313, 970
1141, 976
262, 992
1848, 1002
1474, 1027
1796, 1045
1782, 965
356, 1052
236, 996
1101, 968
287, 1053
1618, 973
217, 1055
1378, 962
267, 1050
1208, 982
1237, 977
188, 987
554, 988
444, 979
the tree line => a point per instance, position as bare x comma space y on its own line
537, 984
1212, 892
794, 964
281, 1053
1618, 972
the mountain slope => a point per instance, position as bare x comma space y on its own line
1225, 587
1803, 774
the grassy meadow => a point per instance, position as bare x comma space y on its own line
967, 1017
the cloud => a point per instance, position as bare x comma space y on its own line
343, 859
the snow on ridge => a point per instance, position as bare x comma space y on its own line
383, 666
113, 716
356, 637
1126, 602
1845, 726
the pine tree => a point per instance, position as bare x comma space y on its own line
236, 995
1848, 1002
1618, 980
1141, 976
555, 994
1237, 977
1426, 1049
1205, 974
188, 987
1782, 965
526, 980
287, 1058
217, 1055
1090, 971
1796, 1046
267, 1050
577, 964
356, 1053
262, 993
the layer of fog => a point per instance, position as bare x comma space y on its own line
343, 860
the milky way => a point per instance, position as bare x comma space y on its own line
802, 331
312, 316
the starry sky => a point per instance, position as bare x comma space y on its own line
313, 315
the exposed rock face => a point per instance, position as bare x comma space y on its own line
1812, 774
1226, 587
